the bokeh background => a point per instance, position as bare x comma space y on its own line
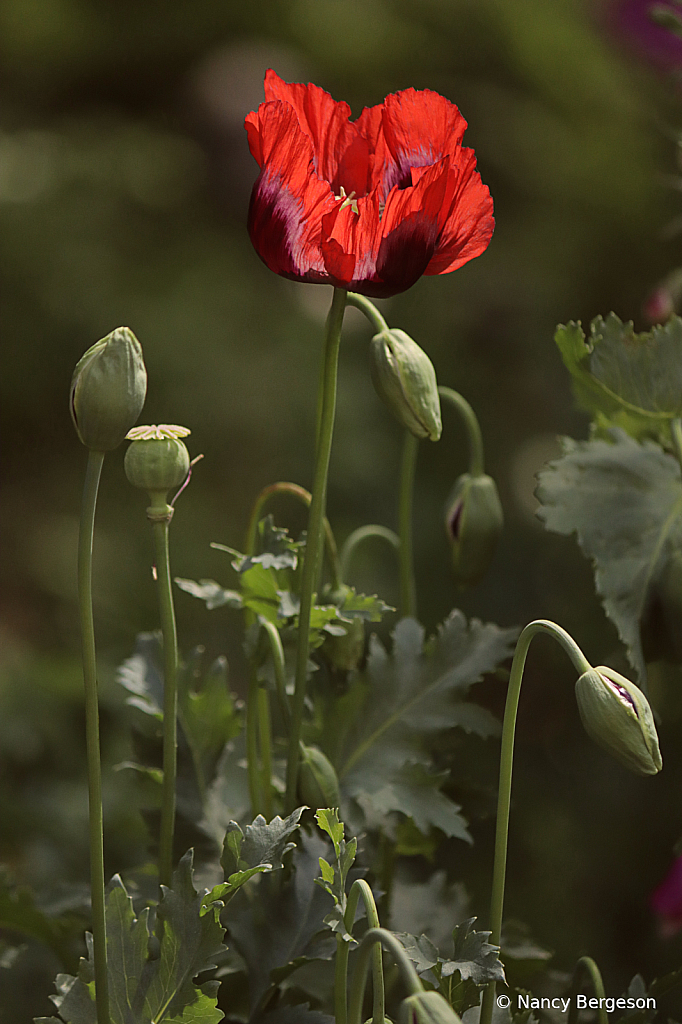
124, 183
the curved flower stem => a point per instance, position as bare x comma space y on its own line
506, 766
284, 487
277, 652
95, 823
170, 692
362, 534
314, 536
587, 966
372, 937
408, 590
473, 429
359, 888
369, 309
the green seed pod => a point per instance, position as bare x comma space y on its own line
108, 390
427, 1008
318, 785
473, 521
404, 378
617, 716
157, 460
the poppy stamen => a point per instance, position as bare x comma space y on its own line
347, 200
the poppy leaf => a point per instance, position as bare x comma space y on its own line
623, 378
148, 986
623, 499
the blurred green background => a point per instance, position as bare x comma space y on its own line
124, 183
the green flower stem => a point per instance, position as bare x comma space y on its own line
160, 519
369, 309
676, 433
314, 536
251, 728
359, 888
408, 590
265, 737
473, 429
506, 765
284, 487
85, 541
380, 937
360, 535
279, 667
586, 965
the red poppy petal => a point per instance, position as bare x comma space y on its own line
253, 131
350, 240
285, 227
340, 154
469, 225
410, 228
420, 128
288, 200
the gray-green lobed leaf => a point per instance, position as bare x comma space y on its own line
633, 380
405, 697
282, 927
260, 843
146, 988
623, 499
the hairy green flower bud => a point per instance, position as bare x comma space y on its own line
404, 377
318, 785
427, 1008
617, 716
473, 521
108, 390
157, 460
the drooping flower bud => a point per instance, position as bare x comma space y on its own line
473, 521
617, 716
427, 1008
157, 460
108, 390
318, 784
404, 378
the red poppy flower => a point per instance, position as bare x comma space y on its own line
368, 205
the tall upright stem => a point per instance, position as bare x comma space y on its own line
265, 737
170, 696
95, 826
408, 590
506, 766
314, 536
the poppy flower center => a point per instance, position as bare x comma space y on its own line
348, 200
